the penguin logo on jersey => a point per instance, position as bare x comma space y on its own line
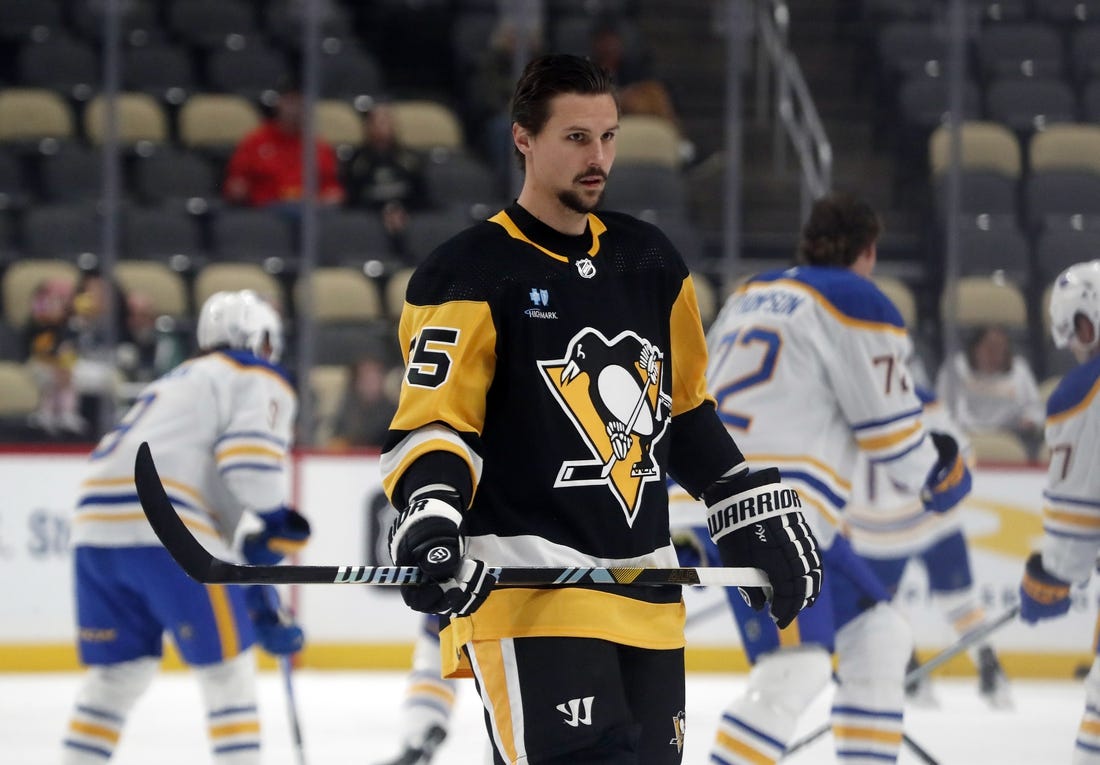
612, 391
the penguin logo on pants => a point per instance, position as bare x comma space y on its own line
613, 392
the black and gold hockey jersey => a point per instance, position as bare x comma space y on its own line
557, 381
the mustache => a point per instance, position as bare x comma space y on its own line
593, 172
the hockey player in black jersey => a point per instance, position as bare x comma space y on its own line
510, 447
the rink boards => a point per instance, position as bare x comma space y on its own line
369, 627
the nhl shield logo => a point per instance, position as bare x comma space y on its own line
586, 268
614, 393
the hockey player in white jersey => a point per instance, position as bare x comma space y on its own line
1071, 499
220, 426
807, 365
890, 527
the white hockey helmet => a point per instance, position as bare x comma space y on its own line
241, 320
1075, 291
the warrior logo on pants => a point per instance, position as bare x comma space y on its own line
612, 391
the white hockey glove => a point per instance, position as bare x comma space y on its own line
425, 534
756, 521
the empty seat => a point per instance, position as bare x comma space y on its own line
136, 19
1025, 49
1084, 52
19, 394
338, 123
1059, 248
350, 236
637, 187
428, 229
14, 194
20, 280
165, 234
647, 139
985, 146
1068, 11
980, 300
216, 123
252, 72
686, 238
998, 10
215, 277
327, 383
460, 179
60, 63
906, 48
164, 287
707, 297
284, 23
64, 231
1062, 193
924, 102
987, 250
1066, 147
980, 191
162, 70
30, 19
1028, 105
901, 295
212, 23
337, 294
396, 286
251, 234
424, 124
140, 119
344, 343
29, 115
175, 177
73, 174
349, 72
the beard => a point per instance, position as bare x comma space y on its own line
575, 202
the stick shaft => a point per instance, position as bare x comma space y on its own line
286, 669
200, 565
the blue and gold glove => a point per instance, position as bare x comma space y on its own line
285, 531
275, 630
949, 481
1042, 595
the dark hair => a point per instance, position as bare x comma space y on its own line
841, 226
551, 75
978, 336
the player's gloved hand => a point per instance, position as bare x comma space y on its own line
756, 521
949, 480
275, 629
285, 531
1042, 595
425, 534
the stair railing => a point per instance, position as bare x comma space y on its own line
795, 117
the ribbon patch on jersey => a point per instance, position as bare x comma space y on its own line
612, 391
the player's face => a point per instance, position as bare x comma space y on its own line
572, 155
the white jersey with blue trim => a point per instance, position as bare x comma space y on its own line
808, 366
1071, 498
219, 427
886, 522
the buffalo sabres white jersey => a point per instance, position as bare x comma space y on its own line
808, 368
1071, 499
886, 522
219, 427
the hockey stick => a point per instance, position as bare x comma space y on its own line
200, 565
285, 667
919, 673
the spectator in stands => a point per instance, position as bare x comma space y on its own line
385, 175
100, 321
990, 387
51, 356
367, 406
156, 344
266, 167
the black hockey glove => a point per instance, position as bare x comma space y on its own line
425, 534
949, 481
756, 521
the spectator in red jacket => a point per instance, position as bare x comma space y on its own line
266, 167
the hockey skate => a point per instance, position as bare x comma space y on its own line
422, 753
992, 681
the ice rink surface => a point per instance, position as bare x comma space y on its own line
351, 718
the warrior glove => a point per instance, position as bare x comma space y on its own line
756, 521
949, 481
425, 534
285, 531
1042, 594
275, 629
